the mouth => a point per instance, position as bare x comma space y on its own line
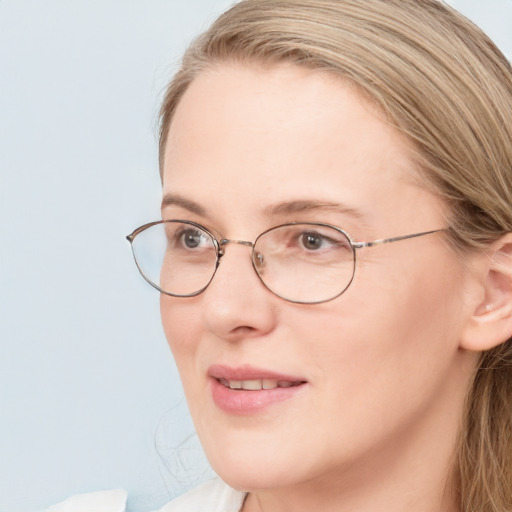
246, 390
258, 384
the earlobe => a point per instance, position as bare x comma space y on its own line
490, 323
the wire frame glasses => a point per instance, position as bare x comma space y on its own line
305, 263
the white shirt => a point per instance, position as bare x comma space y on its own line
212, 496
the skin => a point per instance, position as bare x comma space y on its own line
375, 427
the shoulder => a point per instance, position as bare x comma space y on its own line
102, 501
214, 496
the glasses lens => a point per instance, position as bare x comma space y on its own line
178, 258
304, 262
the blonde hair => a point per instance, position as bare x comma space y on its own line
441, 81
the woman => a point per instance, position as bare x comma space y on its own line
298, 137
384, 119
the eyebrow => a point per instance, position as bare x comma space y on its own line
290, 207
187, 204
282, 208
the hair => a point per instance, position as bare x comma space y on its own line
443, 83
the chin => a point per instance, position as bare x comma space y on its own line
255, 464
253, 477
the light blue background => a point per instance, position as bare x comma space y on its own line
87, 384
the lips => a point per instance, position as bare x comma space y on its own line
246, 390
258, 384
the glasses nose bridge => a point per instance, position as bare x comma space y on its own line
226, 241
257, 258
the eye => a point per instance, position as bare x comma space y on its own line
193, 238
305, 242
315, 241
312, 241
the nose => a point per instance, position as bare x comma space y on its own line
236, 304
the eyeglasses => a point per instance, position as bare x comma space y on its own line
305, 263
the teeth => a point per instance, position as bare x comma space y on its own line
257, 384
252, 385
269, 384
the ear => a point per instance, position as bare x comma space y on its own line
490, 323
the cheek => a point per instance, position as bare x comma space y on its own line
389, 336
181, 329
418, 292
181, 320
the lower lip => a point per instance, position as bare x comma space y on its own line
246, 402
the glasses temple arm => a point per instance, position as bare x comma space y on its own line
359, 245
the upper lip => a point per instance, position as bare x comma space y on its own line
246, 372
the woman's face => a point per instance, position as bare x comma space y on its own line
377, 373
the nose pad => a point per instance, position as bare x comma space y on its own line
259, 259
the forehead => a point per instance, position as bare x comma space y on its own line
254, 134
260, 98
